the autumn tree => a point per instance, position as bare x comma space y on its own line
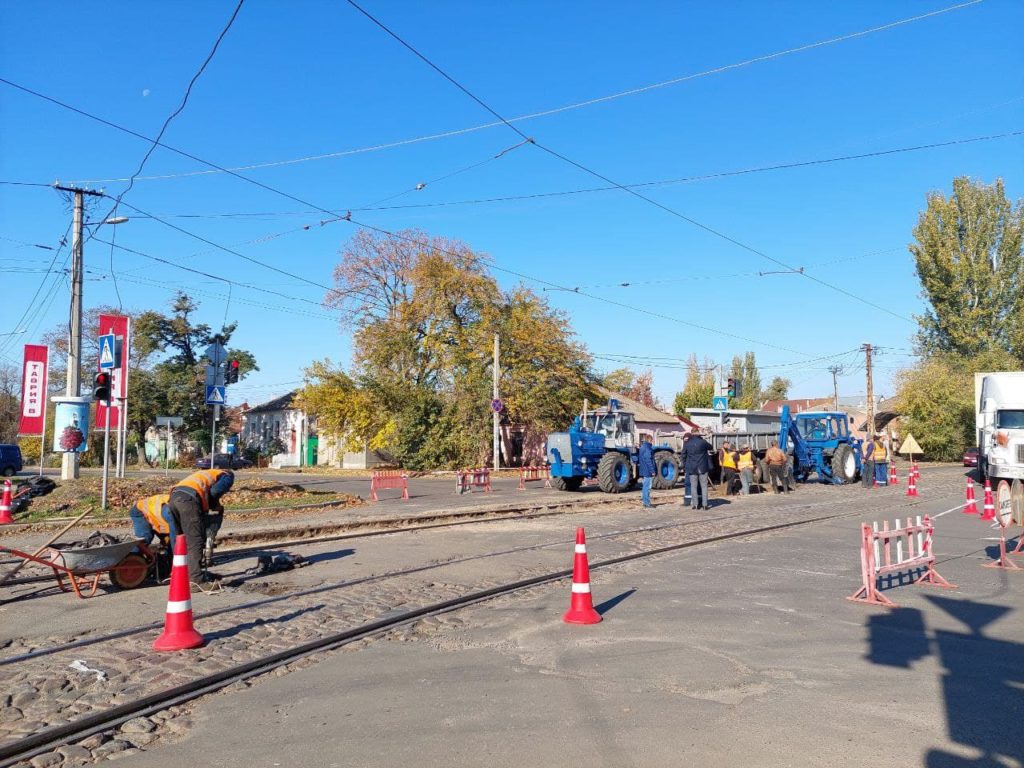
699, 388
10, 392
425, 311
620, 380
967, 251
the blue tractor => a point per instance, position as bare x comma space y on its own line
603, 444
821, 444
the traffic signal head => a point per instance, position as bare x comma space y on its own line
101, 387
730, 388
231, 375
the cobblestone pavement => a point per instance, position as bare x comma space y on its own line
44, 692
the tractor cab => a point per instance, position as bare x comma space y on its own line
822, 427
617, 427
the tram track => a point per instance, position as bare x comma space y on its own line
97, 722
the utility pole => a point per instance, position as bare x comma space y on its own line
495, 405
835, 370
871, 391
69, 467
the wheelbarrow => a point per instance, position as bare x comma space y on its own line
79, 570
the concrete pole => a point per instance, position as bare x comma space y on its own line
497, 416
871, 393
69, 468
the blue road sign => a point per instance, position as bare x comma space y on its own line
216, 395
720, 403
108, 357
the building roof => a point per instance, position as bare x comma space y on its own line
641, 412
282, 403
798, 406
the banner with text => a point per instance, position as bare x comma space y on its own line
33, 389
118, 326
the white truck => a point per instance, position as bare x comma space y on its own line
999, 419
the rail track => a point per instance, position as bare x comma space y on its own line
110, 718
34, 744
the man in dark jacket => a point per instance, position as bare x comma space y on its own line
646, 468
697, 461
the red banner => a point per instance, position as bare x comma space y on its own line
119, 326
33, 389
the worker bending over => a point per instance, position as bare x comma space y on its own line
191, 502
151, 517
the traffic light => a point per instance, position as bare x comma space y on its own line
730, 388
231, 375
101, 387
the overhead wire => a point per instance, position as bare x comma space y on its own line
6, 344
572, 106
606, 179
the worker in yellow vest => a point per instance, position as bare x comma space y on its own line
880, 455
151, 517
191, 502
727, 461
745, 465
870, 451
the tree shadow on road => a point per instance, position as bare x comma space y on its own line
982, 681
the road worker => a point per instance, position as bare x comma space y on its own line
880, 456
151, 517
745, 465
727, 461
775, 458
867, 469
191, 502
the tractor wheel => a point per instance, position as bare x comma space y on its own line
844, 464
614, 472
666, 470
566, 483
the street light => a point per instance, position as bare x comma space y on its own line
116, 220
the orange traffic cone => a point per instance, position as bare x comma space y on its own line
179, 634
988, 511
971, 507
911, 483
5, 504
893, 479
581, 606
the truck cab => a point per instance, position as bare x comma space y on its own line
1000, 424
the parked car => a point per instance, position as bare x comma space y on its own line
10, 459
224, 461
971, 457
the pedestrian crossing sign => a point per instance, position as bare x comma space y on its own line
108, 360
216, 395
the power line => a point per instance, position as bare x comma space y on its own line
602, 177
5, 345
566, 107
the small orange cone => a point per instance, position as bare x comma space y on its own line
179, 634
5, 504
581, 606
971, 507
911, 483
893, 478
988, 511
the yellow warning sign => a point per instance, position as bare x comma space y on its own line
911, 447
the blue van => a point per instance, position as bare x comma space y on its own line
10, 459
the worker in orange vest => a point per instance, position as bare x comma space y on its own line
191, 502
151, 517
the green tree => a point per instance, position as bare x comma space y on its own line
777, 389
967, 251
935, 400
10, 392
699, 388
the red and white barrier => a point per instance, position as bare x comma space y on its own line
389, 478
468, 479
530, 474
1003, 515
912, 543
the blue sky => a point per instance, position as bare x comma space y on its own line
293, 80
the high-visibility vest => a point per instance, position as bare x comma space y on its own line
201, 482
152, 508
877, 452
728, 459
880, 453
746, 460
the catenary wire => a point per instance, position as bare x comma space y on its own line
568, 107
606, 179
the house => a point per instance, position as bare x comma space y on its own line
798, 406
300, 445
